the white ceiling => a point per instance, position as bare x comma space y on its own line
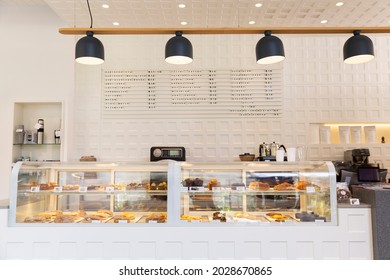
218, 13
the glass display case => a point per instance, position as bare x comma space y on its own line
88, 192
259, 192
81, 193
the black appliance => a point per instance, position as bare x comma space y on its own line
357, 157
175, 153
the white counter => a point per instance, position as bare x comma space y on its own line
350, 239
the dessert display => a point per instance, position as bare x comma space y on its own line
284, 186
241, 215
258, 186
49, 186
192, 182
68, 188
100, 215
162, 186
213, 183
158, 217
70, 217
43, 217
190, 218
137, 186
219, 216
124, 216
302, 185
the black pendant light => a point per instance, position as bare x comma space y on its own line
269, 49
178, 50
358, 49
89, 50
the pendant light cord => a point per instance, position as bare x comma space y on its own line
90, 14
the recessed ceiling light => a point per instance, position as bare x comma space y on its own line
324, 21
252, 22
258, 5
105, 6
183, 23
115, 23
339, 4
182, 6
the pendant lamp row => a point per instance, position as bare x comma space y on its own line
269, 49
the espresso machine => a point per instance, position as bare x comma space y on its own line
357, 157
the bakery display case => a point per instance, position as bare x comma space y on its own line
293, 193
88, 192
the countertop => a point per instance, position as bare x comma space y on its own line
348, 205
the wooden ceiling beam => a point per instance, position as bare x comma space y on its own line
254, 30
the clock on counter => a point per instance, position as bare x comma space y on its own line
175, 153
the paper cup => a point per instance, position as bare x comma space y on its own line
291, 154
280, 155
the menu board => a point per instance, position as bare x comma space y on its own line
192, 93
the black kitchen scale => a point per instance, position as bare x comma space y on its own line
175, 153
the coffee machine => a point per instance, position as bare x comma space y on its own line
357, 157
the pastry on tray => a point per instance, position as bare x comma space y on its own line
258, 186
284, 186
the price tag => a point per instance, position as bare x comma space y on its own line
57, 189
230, 221
310, 189
152, 222
354, 201
196, 189
240, 189
109, 189
183, 189
122, 221
195, 221
215, 221
217, 189
95, 221
83, 189
319, 221
35, 189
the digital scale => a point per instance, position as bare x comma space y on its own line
175, 153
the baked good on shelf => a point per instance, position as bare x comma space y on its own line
241, 215
38, 219
70, 187
190, 218
124, 216
302, 185
162, 186
213, 183
276, 216
258, 186
219, 216
284, 186
159, 217
197, 182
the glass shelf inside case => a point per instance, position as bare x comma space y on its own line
258, 193
89, 193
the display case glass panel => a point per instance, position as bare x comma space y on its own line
258, 192
88, 192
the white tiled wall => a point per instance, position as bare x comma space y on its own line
318, 87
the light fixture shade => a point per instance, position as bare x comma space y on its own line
358, 49
178, 50
89, 50
269, 49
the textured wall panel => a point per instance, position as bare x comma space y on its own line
317, 88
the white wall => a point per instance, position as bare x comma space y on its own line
318, 88
36, 65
